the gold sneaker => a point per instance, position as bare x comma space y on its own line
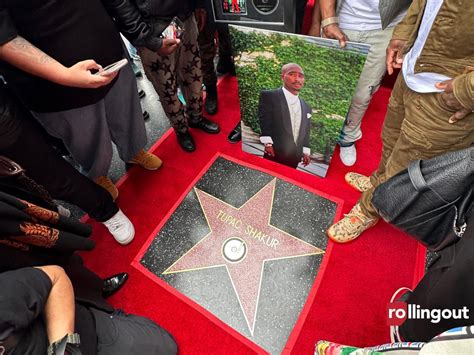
146, 160
351, 226
358, 181
107, 184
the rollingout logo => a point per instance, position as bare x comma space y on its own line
398, 312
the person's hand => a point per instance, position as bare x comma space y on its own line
79, 75
269, 150
201, 16
306, 160
169, 46
394, 59
451, 101
333, 31
315, 30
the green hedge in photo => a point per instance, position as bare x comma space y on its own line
330, 78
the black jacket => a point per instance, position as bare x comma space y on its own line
275, 121
143, 21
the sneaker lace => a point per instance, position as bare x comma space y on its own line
114, 223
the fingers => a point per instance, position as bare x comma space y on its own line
90, 64
442, 85
389, 61
459, 115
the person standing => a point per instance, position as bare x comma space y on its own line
285, 120
169, 62
364, 21
430, 109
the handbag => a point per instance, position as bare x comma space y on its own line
430, 200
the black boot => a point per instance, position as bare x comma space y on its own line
186, 141
211, 99
113, 284
235, 135
225, 65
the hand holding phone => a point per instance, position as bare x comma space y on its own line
112, 68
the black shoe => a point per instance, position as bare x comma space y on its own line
225, 65
235, 135
186, 141
113, 284
141, 94
206, 125
146, 115
211, 99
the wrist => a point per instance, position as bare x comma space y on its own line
329, 21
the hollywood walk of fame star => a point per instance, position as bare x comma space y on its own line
242, 239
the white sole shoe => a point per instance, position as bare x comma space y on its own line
121, 228
348, 155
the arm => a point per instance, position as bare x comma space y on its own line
59, 308
25, 56
315, 29
332, 30
265, 115
140, 33
401, 34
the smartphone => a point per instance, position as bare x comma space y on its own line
174, 30
112, 68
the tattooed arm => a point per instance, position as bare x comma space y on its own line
25, 56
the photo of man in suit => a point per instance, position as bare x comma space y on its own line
285, 120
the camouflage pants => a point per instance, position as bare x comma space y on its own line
182, 69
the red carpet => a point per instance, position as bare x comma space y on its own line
359, 278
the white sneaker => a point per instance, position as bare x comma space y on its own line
121, 228
348, 155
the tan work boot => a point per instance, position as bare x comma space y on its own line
358, 181
351, 226
107, 184
146, 160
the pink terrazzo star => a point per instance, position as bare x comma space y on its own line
242, 239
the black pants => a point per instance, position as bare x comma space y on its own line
32, 151
300, 7
449, 284
122, 334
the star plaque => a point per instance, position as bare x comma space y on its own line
245, 246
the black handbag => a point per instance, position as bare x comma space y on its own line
431, 199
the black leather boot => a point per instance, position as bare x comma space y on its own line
211, 99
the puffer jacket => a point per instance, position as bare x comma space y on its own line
143, 21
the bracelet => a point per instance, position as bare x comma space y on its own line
329, 21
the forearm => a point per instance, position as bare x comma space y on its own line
25, 56
327, 8
59, 308
316, 19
